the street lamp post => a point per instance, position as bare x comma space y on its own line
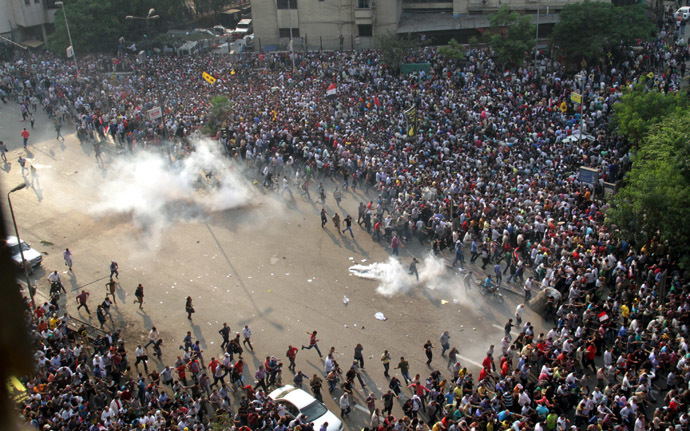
69, 35
19, 243
151, 15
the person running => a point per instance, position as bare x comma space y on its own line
348, 225
22, 164
81, 301
139, 294
247, 334
413, 268
428, 352
110, 287
313, 343
114, 269
324, 217
67, 255
25, 137
336, 221
189, 308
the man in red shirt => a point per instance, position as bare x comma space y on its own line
292, 354
81, 300
25, 135
589, 356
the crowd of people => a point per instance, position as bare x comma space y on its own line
484, 163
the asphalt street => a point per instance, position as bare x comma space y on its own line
266, 263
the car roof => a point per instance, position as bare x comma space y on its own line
11, 240
298, 397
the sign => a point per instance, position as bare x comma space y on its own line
17, 390
589, 175
70, 51
576, 98
155, 113
208, 77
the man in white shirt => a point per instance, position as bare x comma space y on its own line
247, 334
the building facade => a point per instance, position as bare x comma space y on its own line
353, 24
26, 20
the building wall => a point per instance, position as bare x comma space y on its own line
23, 18
322, 23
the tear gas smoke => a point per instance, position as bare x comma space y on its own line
394, 278
157, 192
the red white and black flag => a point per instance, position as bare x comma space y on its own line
331, 92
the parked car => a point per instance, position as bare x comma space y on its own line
683, 13
297, 401
30, 255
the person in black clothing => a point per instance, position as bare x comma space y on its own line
428, 352
225, 333
189, 308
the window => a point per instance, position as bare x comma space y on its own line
365, 30
37, 1
27, 2
285, 32
363, 4
287, 4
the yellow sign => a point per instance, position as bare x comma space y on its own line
16, 389
208, 77
650, 75
575, 97
564, 106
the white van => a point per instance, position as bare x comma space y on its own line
244, 27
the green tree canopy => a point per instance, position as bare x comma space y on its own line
589, 30
640, 109
97, 25
221, 107
514, 35
655, 198
394, 49
453, 50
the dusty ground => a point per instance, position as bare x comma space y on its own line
266, 263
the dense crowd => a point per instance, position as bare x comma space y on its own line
484, 164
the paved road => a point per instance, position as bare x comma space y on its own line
266, 263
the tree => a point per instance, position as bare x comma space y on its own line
514, 35
599, 27
395, 49
640, 109
221, 107
655, 200
97, 25
453, 50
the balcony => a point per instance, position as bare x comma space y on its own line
427, 5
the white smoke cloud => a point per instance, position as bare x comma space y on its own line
394, 278
158, 193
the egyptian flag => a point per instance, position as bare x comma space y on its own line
376, 101
331, 92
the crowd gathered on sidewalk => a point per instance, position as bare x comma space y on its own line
488, 165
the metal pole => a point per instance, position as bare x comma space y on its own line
69, 35
536, 37
292, 44
19, 243
582, 101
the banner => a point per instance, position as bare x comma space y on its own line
208, 77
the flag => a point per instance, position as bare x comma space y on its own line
376, 101
208, 77
331, 92
411, 117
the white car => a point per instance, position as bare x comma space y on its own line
297, 401
683, 13
30, 255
